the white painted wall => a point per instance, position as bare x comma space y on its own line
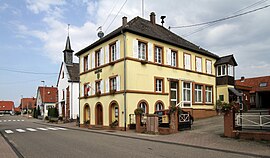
74, 100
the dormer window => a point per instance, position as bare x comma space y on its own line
263, 84
221, 70
230, 70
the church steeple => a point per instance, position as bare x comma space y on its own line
68, 52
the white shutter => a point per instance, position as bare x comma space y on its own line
107, 55
135, 48
117, 49
82, 91
187, 61
102, 86
82, 65
102, 56
118, 83
89, 62
93, 88
107, 86
89, 89
169, 56
150, 51
93, 60
198, 64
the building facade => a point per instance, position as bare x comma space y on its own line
6, 107
68, 85
142, 64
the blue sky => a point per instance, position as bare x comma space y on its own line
33, 34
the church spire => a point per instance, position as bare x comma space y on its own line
68, 52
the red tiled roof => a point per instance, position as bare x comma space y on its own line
48, 94
255, 83
28, 102
6, 105
17, 109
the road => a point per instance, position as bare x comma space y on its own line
33, 140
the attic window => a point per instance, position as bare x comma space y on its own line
263, 84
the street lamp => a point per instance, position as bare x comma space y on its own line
22, 105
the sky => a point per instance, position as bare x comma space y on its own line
33, 34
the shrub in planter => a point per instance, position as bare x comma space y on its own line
60, 118
46, 118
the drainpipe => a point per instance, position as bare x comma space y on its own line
125, 81
79, 94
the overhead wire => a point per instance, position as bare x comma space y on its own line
221, 19
25, 81
116, 2
26, 72
116, 15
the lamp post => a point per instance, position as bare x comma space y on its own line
22, 105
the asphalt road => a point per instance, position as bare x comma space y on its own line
38, 141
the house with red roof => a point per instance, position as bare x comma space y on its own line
7, 107
28, 104
46, 98
255, 90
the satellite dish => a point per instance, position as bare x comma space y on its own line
100, 34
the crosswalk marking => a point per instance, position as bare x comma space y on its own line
18, 120
31, 129
5, 120
0, 120
10, 120
22, 120
20, 130
43, 129
9, 131
14, 120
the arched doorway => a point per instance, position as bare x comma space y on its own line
86, 113
99, 114
114, 112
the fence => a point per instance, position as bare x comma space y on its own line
252, 120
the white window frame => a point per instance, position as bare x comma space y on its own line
230, 70
159, 85
208, 66
185, 92
143, 105
113, 52
198, 61
207, 93
176, 94
113, 84
158, 55
173, 58
223, 70
198, 92
159, 106
142, 47
187, 61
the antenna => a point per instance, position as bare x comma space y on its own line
100, 33
162, 19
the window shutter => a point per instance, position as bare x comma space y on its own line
82, 64
93, 60
107, 55
169, 56
150, 51
93, 88
102, 86
187, 61
117, 49
89, 89
198, 64
118, 83
135, 48
102, 56
89, 62
82, 91
107, 86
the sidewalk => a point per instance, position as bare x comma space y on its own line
5, 149
205, 134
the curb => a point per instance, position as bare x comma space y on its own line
15, 150
159, 141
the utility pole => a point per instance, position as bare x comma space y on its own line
22, 105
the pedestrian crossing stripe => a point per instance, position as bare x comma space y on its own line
11, 120
20, 130
9, 131
31, 129
61, 128
43, 129
54, 129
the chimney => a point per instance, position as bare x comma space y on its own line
242, 79
153, 18
124, 21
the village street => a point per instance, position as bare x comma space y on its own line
32, 138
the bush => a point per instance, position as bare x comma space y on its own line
138, 111
46, 118
53, 112
34, 113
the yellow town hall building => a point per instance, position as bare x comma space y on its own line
143, 64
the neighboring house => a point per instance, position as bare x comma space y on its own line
6, 107
68, 85
256, 91
28, 104
143, 64
46, 98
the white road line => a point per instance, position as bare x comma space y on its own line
22, 120
61, 128
43, 129
9, 120
18, 120
31, 129
14, 120
54, 129
0, 120
9, 131
20, 130
5, 120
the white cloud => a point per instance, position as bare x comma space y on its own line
3, 7
38, 6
